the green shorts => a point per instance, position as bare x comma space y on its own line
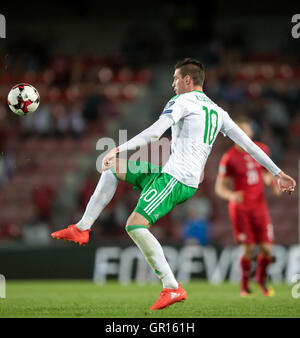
161, 192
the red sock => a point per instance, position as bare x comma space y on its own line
245, 264
261, 268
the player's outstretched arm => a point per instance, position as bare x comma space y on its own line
149, 135
285, 182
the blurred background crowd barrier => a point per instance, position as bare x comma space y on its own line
99, 69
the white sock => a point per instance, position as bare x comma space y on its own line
102, 195
153, 252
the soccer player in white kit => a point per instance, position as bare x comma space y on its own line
195, 121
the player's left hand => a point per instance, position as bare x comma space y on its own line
109, 159
286, 183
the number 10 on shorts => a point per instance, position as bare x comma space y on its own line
2, 287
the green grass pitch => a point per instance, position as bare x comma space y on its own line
78, 298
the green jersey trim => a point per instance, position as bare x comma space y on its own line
133, 227
175, 97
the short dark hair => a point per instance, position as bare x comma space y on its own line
192, 67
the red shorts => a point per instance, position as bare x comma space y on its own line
251, 226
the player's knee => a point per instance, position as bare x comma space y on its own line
137, 219
265, 249
248, 250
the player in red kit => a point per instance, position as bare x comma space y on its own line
248, 210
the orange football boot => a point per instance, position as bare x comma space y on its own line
73, 234
168, 297
267, 291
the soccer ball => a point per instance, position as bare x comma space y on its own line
23, 99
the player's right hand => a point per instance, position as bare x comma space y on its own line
286, 183
237, 197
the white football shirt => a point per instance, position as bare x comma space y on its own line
197, 122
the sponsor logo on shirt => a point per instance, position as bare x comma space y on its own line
169, 104
168, 111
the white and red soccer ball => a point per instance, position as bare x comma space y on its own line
23, 99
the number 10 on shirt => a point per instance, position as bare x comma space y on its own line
211, 125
